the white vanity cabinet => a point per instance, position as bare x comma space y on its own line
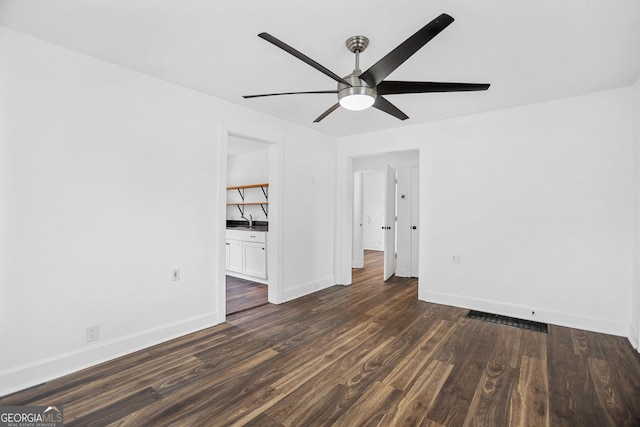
246, 253
234, 255
255, 260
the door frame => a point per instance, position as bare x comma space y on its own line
414, 262
358, 214
357, 256
390, 222
275, 234
345, 209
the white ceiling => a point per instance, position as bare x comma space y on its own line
530, 51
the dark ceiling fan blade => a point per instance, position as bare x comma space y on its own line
389, 87
331, 109
301, 56
384, 105
289, 93
381, 69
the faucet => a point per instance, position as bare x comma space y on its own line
250, 220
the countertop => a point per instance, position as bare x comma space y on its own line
244, 225
247, 228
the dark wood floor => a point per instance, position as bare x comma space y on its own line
244, 295
367, 354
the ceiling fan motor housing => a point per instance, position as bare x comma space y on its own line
359, 95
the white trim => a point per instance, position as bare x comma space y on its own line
357, 251
275, 237
422, 219
31, 374
403, 272
220, 222
247, 277
344, 223
414, 253
308, 288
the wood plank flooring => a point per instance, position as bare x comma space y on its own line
367, 354
244, 295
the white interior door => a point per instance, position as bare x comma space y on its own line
389, 226
415, 214
357, 258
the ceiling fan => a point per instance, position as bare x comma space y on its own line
361, 90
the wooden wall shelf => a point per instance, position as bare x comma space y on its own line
239, 187
264, 205
247, 203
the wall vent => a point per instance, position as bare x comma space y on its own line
508, 321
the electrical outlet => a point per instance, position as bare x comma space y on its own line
92, 333
456, 259
175, 274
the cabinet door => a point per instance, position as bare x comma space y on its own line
255, 259
234, 255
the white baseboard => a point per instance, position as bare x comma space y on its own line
571, 320
403, 272
247, 277
38, 372
308, 288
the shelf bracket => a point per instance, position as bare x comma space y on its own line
241, 191
265, 208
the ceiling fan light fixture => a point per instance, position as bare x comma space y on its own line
357, 102
357, 98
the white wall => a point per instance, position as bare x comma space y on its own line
249, 168
309, 217
246, 169
538, 201
109, 180
634, 335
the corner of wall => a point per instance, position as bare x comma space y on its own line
634, 328
634, 336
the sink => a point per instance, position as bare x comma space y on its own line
246, 227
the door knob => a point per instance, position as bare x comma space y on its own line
414, 227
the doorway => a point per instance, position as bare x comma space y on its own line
386, 211
247, 185
274, 236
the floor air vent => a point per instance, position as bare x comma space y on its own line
509, 321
